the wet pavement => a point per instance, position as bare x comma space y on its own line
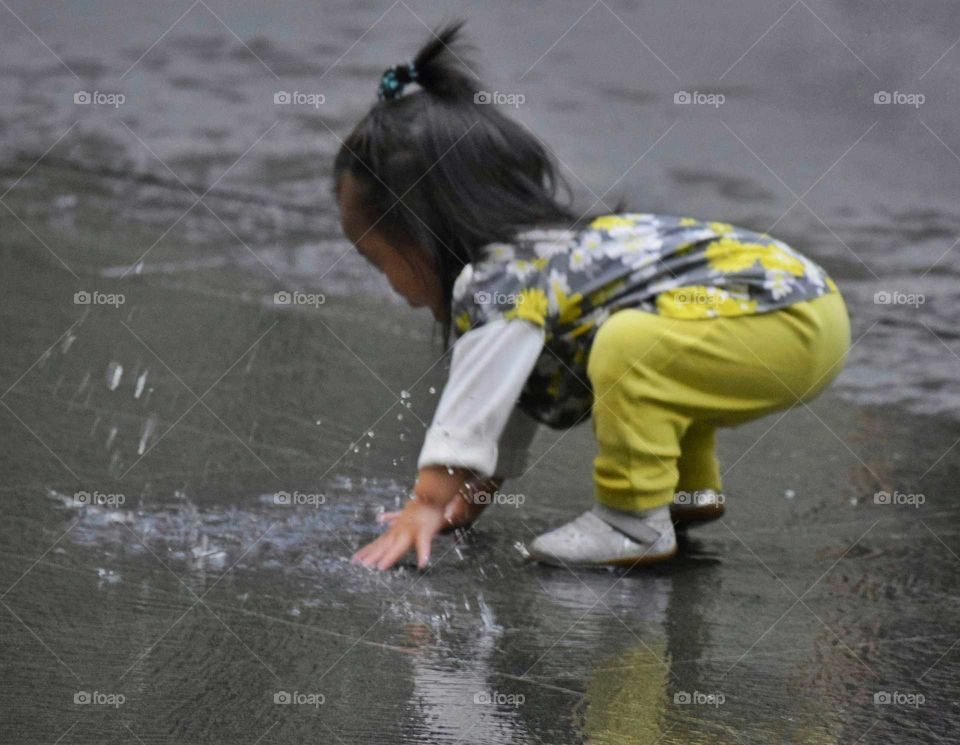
191, 603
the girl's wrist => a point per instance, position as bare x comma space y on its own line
438, 485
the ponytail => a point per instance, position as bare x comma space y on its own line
441, 69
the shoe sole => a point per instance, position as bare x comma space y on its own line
630, 561
687, 517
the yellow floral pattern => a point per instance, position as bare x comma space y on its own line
568, 282
531, 305
702, 302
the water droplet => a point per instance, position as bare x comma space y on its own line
114, 374
432, 390
789, 494
110, 437
399, 417
149, 427
141, 381
370, 433
404, 394
84, 382
108, 576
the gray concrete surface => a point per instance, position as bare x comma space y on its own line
199, 599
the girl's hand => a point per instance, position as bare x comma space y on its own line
445, 499
459, 513
414, 526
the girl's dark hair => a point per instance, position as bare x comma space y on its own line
445, 170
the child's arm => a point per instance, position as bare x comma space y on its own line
489, 369
512, 457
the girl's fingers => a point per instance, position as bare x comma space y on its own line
393, 554
389, 517
424, 539
369, 554
360, 557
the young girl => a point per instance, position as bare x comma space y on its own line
660, 328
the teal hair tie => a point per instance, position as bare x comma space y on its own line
394, 79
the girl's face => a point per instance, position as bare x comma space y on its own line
405, 267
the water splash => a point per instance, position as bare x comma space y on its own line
214, 537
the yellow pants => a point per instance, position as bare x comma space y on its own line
663, 385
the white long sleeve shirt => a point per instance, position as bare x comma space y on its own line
477, 425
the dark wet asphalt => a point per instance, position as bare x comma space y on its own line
199, 599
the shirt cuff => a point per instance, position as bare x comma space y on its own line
458, 449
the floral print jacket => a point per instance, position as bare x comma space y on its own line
568, 282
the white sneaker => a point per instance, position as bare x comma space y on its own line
607, 537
